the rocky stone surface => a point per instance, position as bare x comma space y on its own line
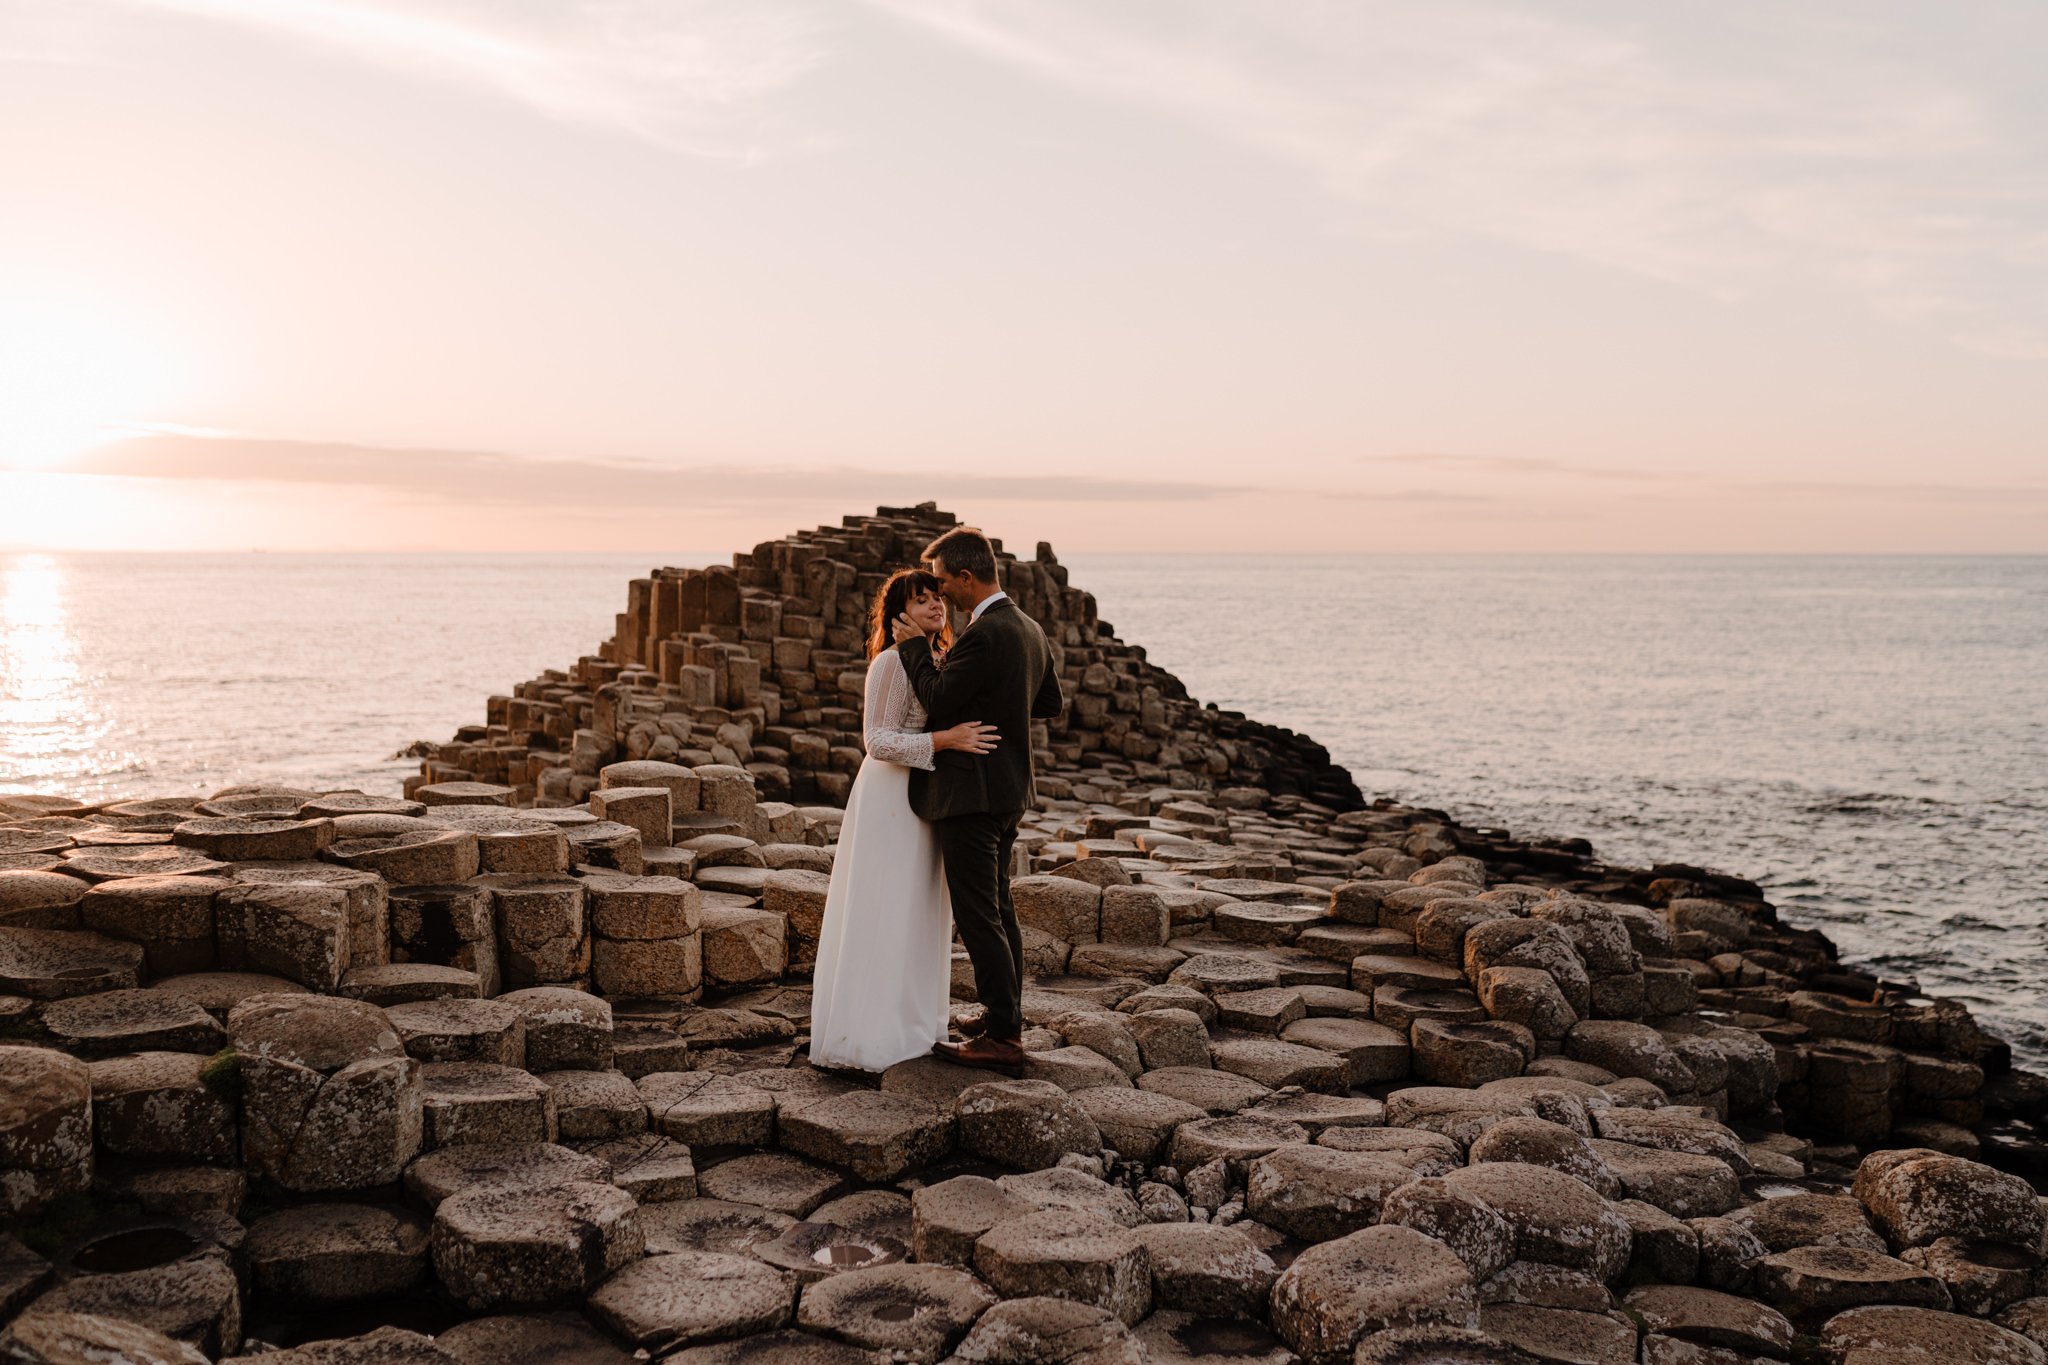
515, 1063
1369, 1281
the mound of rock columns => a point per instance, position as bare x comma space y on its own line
516, 1060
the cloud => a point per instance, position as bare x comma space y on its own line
1541, 467
1808, 153
690, 75
491, 478
1914, 492
1518, 464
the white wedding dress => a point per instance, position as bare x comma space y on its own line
880, 992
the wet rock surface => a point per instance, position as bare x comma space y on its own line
515, 1064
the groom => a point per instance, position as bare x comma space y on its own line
999, 672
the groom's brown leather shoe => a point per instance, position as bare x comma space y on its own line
974, 1026
991, 1054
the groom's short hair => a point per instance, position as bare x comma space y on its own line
964, 550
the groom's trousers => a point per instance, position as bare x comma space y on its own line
976, 850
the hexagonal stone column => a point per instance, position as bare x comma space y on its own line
1028, 1125
645, 935
57, 964
299, 932
1319, 1193
1170, 1037
683, 1298
527, 1244
1918, 1196
705, 1109
1237, 1138
1066, 1254
1469, 1055
1886, 1333
319, 1254
498, 1166
1471, 1228
171, 917
53, 1338
1136, 1124
448, 926
45, 1129
540, 1338
1273, 1063
1023, 1331
879, 1137
798, 895
915, 1312
193, 1298
158, 1104
682, 782
467, 1102
235, 839
1709, 1318
1556, 1219
595, 1106
605, 844
456, 1030
369, 936
566, 1029
1814, 1279
1383, 1277
330, 1100
541, 929
744, 946
948, 1218
114, 1022
509, 842
1207, 1269
646, 809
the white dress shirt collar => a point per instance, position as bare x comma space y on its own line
997, 596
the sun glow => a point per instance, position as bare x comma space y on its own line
71, 371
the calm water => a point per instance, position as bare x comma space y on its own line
1868, 737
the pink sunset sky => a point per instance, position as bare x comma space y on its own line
1331, 275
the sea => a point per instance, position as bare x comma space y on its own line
1865, 736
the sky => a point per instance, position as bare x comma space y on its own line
1148, 275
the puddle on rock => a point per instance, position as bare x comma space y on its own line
1224, 1338
134, 1249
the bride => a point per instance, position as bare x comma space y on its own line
884, 975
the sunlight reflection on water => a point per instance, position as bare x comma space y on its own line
49, 724
145, 675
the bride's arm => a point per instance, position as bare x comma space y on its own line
882, 716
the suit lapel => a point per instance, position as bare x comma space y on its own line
974, 621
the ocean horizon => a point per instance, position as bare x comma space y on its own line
1862, 734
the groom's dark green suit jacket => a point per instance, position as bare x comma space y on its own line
1000, 673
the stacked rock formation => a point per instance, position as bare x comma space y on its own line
519, 1065
760, 666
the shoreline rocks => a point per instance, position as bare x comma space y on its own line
1309, 1078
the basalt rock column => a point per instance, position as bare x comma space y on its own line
758, 667
330, 1100
46, 1148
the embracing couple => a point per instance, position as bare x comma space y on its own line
931, 821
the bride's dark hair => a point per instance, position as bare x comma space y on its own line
891, 602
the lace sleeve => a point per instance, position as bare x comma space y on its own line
885, 716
